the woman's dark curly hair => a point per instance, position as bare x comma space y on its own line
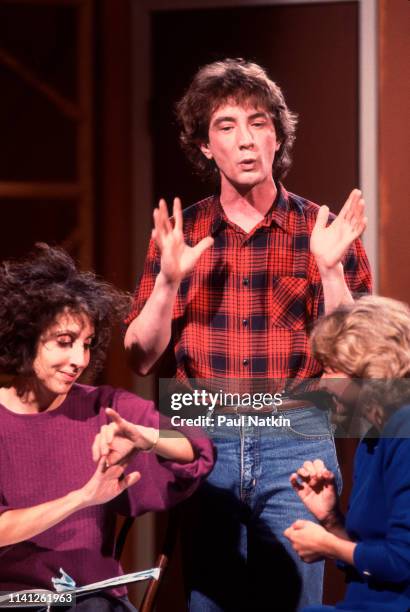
242, 82
35, 290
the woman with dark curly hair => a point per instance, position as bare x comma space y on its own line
368, 341
67, 449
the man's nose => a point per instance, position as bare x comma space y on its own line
245, 137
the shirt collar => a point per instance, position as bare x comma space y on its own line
278, 212
218, 217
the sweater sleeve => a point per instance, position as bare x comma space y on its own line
163, 483
388, 560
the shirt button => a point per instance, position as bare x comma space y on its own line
245, 282
245, 362
245, 322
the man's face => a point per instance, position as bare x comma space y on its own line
243, 144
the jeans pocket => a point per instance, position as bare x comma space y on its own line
308, 424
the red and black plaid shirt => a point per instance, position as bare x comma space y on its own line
247, 308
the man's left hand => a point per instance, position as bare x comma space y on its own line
330, 244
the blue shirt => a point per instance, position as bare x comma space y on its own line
379, 520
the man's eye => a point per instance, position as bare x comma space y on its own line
258, 124
226, 128
64, 342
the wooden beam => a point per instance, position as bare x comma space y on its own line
67, 108
45, 2
39, 189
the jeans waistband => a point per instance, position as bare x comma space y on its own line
287, 404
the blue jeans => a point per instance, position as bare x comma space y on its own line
236, 556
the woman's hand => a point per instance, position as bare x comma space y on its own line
106, 483
315, 485
119, 440
308, 539
312, 542
21, 524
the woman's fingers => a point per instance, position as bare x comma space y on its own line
130, 480
101, 466
100, 446
121, 426
105, 440
114, 416
102, 442
313, 472
95, 448
308, 469
318, 465
294, 481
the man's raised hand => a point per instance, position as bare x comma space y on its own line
329, 244
177, 258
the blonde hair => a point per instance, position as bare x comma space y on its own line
369, 339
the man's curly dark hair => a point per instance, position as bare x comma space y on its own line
243, 82
38, 288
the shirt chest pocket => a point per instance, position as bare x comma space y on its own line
289, 302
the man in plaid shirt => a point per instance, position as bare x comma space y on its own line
231, 286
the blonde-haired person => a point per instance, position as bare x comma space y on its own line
368, 340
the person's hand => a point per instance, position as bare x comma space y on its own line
315, 485
308, 539
119, 440
177, 258
329, 244
106, 483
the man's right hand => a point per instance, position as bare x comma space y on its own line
177, 258
315, 485
148, 335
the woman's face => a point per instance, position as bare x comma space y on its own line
63, 353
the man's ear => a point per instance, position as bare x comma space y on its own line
206, 150
278, 145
